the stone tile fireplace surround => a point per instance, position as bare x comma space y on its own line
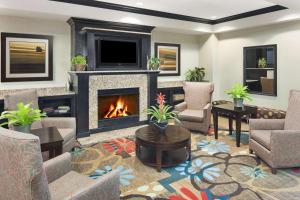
88, 84
104, 82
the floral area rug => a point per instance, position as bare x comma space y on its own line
218, 170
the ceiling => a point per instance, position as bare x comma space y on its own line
207, 9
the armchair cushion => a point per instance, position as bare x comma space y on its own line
191, 115
293, 115
67, 134
57, 167
266, 124
69, 185
80, 187
197, 95
263, 137
27, 96
181, 107
59, 122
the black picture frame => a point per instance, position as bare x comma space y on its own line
46, 76
176, 72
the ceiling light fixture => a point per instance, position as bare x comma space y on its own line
130, 20
213, 17
139, 3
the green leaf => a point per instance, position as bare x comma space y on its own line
24, 115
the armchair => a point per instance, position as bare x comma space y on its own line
24, 176
195, 111
277, 141
65, 125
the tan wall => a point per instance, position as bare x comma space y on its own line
61, 47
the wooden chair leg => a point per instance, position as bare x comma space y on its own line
273, 170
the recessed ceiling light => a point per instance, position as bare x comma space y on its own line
130, 20
139, 3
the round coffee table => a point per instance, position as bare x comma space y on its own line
163, 150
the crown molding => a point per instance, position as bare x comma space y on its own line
143, 11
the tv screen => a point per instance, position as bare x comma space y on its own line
117, 52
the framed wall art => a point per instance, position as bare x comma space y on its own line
26, 57
169, 55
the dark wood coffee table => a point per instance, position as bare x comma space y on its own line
50, 140
163, 149
232, 112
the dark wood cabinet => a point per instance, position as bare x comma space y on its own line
260, 69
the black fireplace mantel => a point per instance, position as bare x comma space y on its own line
84, 33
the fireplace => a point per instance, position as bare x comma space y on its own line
118, 107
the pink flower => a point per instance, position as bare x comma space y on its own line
160, 99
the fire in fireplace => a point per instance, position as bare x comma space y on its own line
117, 106
117, 109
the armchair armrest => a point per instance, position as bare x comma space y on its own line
59, 122
266, 124
181, 107
285, 147
106, 187
57, 167
207, 110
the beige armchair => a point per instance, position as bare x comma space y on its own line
65, 125
23, 175
277, 141
195, 111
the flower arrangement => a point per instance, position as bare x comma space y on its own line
195, 75
79, 62
22, 118
153, 63
262, 63
161, 113
239, 92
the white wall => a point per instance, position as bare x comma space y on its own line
189, 45
61, 47
229, 66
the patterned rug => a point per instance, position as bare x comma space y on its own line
218, 170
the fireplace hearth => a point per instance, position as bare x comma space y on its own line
118, 107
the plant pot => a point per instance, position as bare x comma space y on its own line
23, 129
154, 66
161, 127
80, 67
238, 102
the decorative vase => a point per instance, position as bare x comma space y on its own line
154, 66
238, 102
162, 126
23, 129
79, 67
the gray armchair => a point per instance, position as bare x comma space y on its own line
24, 176
277, 141
195, 111
65, 125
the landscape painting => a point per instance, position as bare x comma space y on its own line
169, 56
26, 57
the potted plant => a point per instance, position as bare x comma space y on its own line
262, 63
239, 92
79, 62
22, 118
195, 75
161, 113
153, 63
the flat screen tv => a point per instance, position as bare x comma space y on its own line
116, 53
